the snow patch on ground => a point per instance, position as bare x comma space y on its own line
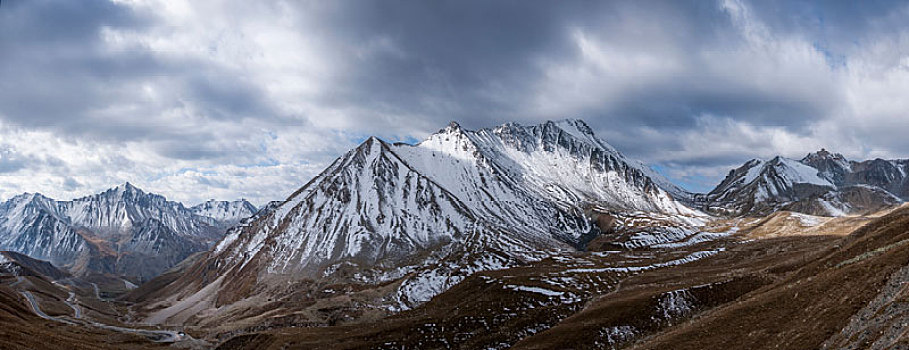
129, 285
700, 237
614, 335
687, 259
806, 220
538, 290
426, 284
831, 209
657, 236
677, 303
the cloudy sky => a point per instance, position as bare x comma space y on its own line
228, 99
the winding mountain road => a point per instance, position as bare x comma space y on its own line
153, 335
34, 304
77, 312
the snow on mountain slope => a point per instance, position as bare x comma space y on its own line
566, 163
822, 183
582, 132
794, 172
832, 167
29, 224
225, 212
562, 162
453, 159
24, 207
426, 215
530, 181
117, 210
369, 207
123, 230
764, 186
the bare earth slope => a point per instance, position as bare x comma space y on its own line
768, 285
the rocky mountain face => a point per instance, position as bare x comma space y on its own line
420, 218
822, 183
123, 231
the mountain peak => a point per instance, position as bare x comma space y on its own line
372, 145
452, 128
28, 196
823, 154
127, 187
575, 124
225, 211
35, 200
579, 130
53, 230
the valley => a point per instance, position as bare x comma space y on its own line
612, 299
526, 237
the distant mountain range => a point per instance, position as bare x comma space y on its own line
821, 183
123, 231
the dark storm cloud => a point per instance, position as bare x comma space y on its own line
686, 84
47, 49
446, 55
58, 75
472, 61
480, 63
12, 160
458, 60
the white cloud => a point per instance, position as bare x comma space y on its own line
198, 99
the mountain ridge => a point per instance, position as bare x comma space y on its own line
421, 217
821, 183
122, 231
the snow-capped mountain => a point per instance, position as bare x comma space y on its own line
822, 183
120, 209
123, 231
30, 224
225, 213
429, 214
379, 199
832, 167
